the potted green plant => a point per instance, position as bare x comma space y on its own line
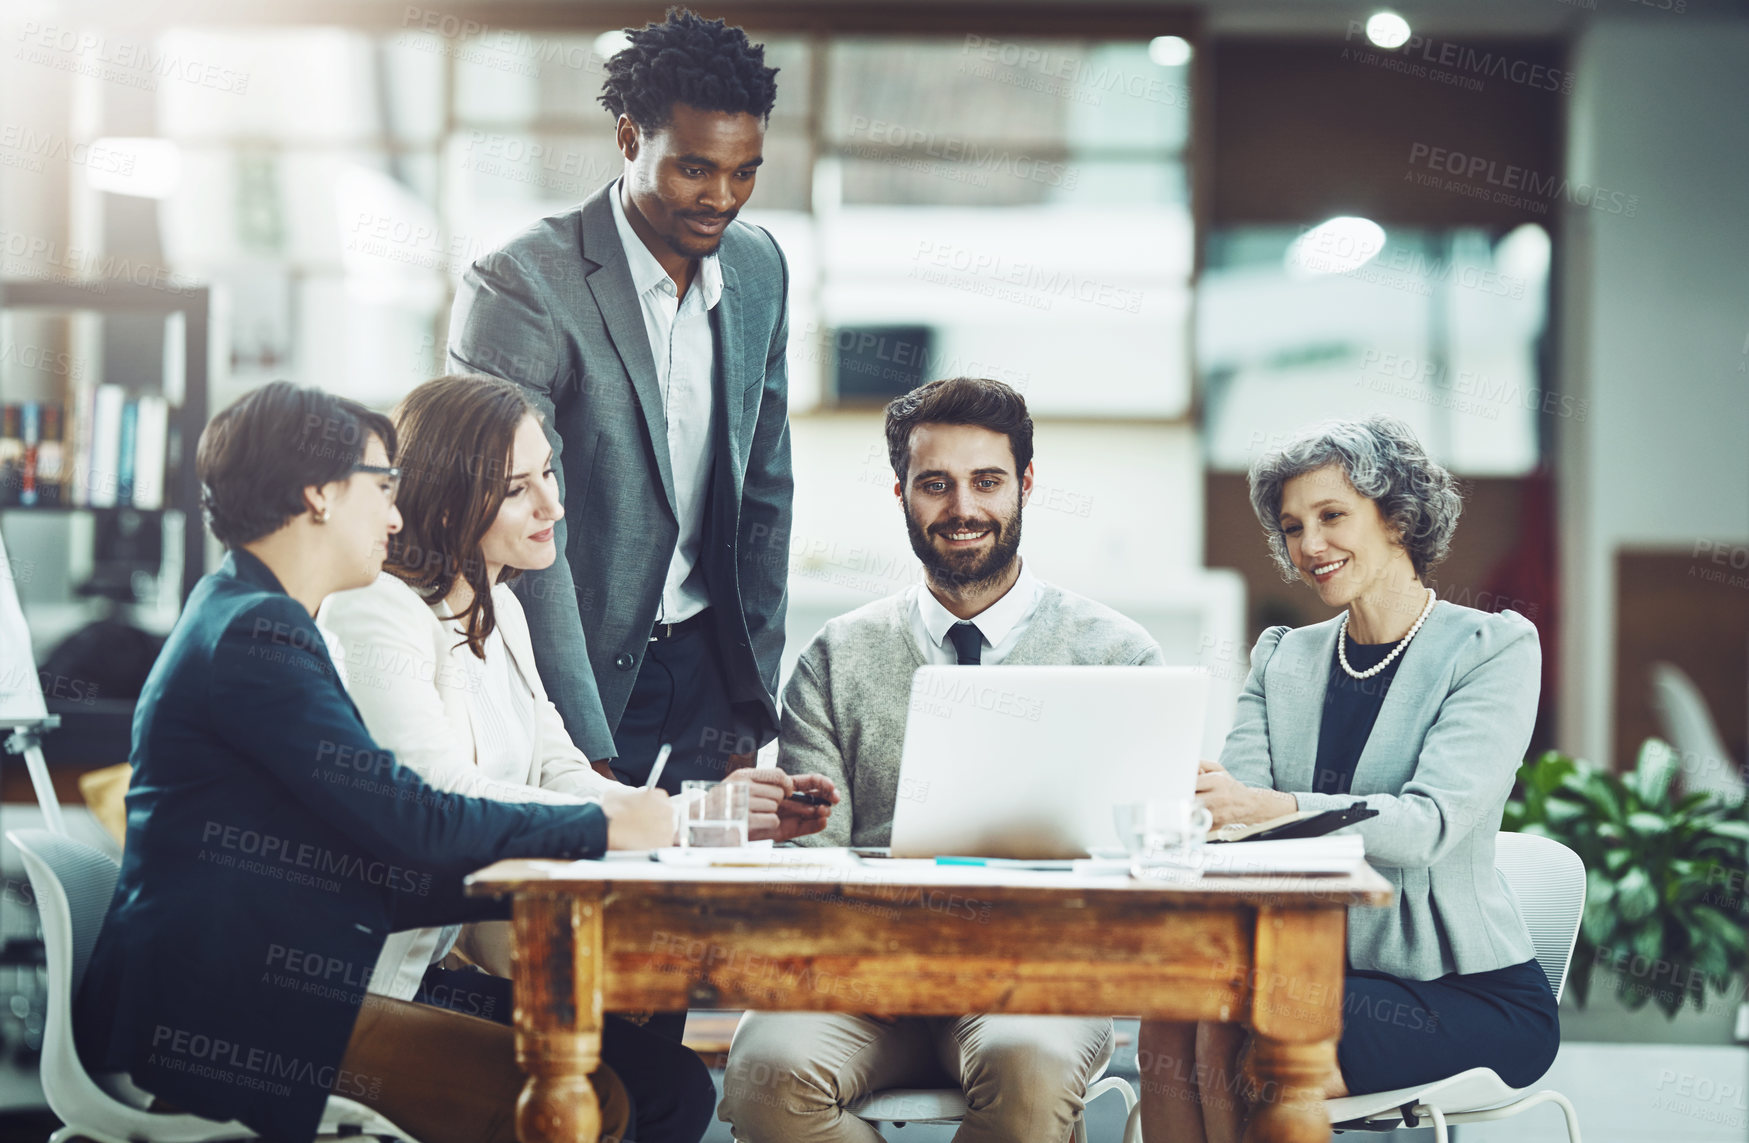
1667, 874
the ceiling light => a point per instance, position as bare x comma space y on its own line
1337, 246
1525, 254
1169, 51
1387, 29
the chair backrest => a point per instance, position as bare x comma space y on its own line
73, 884
1682, 711
1549, 881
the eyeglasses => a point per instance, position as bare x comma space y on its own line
390, 471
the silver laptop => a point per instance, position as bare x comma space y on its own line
1027, 762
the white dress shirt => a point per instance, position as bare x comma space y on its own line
1001, 624
503, 708
684, 348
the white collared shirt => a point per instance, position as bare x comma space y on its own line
684, 349
1001, 624
503, 710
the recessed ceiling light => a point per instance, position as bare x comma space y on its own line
1169, 51
1387, 29
1337, 246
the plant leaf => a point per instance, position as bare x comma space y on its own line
1712, 959
1579, 974
1733, 829
1648, 824
1720, 928
1648, 940
1560, 810
1655, 767
1635, 895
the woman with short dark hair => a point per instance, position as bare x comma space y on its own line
257, 461
267, 831
1423, 710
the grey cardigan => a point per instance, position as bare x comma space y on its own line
1438, 767
845, 707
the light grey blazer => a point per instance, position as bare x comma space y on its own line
1438, 768
555, 311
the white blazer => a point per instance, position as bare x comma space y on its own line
406, 670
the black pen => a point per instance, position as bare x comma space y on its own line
807, 799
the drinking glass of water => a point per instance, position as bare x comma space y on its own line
715, 815
1164, 834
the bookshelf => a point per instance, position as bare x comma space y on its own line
181, 421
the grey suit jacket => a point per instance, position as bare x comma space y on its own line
555, 311
1438, 767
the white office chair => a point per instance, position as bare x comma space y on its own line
1689, 727
73, 884
900, 1105
1549, 882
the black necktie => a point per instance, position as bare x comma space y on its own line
968, 643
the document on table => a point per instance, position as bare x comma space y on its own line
755, 855
1331, 854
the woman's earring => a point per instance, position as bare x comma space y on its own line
322, 516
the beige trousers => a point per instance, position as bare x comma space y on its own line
446, 1077
790, 1075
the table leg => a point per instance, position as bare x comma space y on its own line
558, 1017
1296, 1018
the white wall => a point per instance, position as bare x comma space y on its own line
1656, 313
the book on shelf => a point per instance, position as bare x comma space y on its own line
30, 425
51, 470
117, 448
30, 455
84, 413
124, 452
11, 452
104, 478
151, 448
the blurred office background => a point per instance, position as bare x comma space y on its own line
1183, 231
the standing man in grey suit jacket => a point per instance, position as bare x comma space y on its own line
649, 327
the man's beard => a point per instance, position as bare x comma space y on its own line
969, 571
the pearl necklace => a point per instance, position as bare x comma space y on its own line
1342, 641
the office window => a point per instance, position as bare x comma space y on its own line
1442, 328
1024, 204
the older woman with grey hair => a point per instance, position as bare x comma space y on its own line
1420, 708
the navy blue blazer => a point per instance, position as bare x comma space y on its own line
271, 848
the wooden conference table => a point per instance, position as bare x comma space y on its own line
830, 933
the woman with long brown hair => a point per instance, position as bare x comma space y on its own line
437, 658
437, 650
439, 661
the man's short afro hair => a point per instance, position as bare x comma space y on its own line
687, 59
